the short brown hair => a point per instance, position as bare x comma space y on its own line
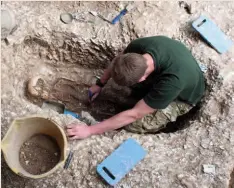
127, 69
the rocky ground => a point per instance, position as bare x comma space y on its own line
70, 56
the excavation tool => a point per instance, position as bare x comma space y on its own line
99, 15
68, 160
90, 94
52, 105
122, 13
58, 107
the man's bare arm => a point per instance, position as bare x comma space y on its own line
122, 119
115, 122
95, 89
106, 75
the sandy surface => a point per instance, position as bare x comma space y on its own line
43, 46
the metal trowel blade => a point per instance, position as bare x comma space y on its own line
52, 105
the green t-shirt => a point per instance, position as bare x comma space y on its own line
177, 75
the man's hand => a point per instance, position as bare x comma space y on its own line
124, 118
80, 131
94, 91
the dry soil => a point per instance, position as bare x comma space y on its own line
39, 154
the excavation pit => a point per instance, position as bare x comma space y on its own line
68, 69
74, 66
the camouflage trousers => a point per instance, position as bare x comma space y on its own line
158, 120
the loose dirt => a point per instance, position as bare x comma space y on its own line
39, 154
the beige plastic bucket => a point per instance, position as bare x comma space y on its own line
21, 130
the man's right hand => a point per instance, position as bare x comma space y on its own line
93, 92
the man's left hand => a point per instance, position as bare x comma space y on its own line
78, 131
